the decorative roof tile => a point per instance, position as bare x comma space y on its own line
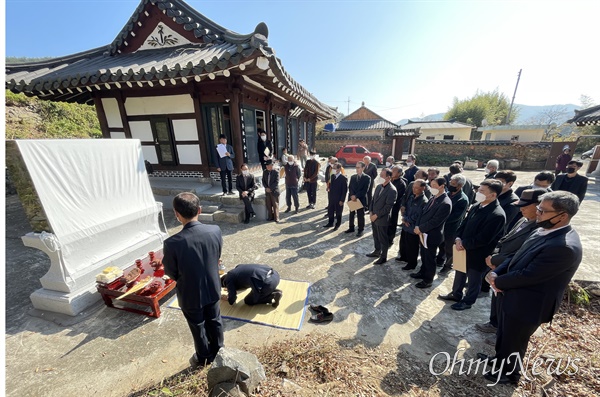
352, 125
436, 124
589, 116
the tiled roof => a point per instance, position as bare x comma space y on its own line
512, 127
222, 53
352, 125
589, 116
436, 124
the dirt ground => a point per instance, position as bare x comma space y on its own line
114, 353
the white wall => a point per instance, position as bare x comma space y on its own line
185, 130
189, 154
111, 110
167, 104
117, 135
141, 130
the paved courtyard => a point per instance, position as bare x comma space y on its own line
112, 353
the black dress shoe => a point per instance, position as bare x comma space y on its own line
416, 275
502, 380
400, 259
295, 212
423, 284
308, 206
288, 209
460, 306
336, 228
483, 356
380, 261
247, 221
445, 270
449, 297
328, 225
359, 234
408, 267
349, 231
374, 254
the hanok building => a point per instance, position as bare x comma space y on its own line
176, 80
450, 130
364, 123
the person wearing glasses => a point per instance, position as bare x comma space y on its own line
531, 285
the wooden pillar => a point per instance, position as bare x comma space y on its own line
239, 141
123, 113
101, 117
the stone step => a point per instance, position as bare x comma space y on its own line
223, 215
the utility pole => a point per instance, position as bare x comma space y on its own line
513, 98
348, 106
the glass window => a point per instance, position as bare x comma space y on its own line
449, 137
161, 130
217, 123
361, 150
294, 144
281, 134
347, 150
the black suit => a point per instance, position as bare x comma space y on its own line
432, 222
263, 280
370, 170
358, 187
576, 185
507, 246
479, 232
270, 180
311, 175
383, 201
225, 164
400, 185
337, 194
191, 258
260, 147
460, 203
246, 184
507, 201
533, 284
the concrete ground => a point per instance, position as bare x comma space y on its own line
112, 353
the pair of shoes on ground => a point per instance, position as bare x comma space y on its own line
195, 362
276, 295
358, 234
459, 305
445, 270
323, 315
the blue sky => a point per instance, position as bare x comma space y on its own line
402, 58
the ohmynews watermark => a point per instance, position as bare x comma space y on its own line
555, 366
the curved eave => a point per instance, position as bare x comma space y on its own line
191, 20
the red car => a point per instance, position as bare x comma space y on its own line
352, 154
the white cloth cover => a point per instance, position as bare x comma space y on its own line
96, 196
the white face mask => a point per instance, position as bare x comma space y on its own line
263, 137
434, 191
409, 163
479, 197
245, 172
387, 164
487, 171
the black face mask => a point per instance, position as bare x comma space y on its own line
547, 224
571, 170
452, 189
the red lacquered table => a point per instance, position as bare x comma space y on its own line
117, 288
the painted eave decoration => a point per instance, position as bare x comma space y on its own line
164, 43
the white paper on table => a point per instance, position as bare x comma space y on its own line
221, 149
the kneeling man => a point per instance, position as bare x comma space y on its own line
263, 280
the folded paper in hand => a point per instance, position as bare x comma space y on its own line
354, 205
459, 260
423, 239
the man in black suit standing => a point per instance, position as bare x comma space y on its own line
191, 258
311, 175
412, 169
411, 211
270, 181
262, 280
264, 148
510, 243
357, 191
478, 235
431, 225
400, 185
338, 188
460, 203
225, 163
246, 185
572, 181
371, 170
533, 282
381, 208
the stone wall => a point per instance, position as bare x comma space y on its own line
530, 156
517, 155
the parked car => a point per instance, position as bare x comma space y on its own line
352, 154
588, 154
